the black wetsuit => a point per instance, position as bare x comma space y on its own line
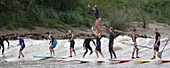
98, 44
87, 46
70, 36
96, 12
2, 44
111, 42
158, 44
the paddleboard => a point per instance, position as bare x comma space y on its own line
2, 56
164, 61
100, 60
143, 61
68, 59
83, 60
44, 57
119, 61
14, 59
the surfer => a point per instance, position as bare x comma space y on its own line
135, 45
22, 44
98, 19
157, 42
71, 40
111, 42
87, 46
2, 39
52, 44
98, 43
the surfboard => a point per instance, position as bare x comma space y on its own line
82, 60
100, 60
143, 61
164, 61
120, 61
2, 56
14, 59
44, 57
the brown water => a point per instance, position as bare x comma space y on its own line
51, 63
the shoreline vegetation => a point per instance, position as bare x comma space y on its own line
34, 18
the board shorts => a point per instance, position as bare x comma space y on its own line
53, 45
135, 47
72, 44
156, 47
22, 47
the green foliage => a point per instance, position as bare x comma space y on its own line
61, 14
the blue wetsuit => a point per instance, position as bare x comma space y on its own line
21, 43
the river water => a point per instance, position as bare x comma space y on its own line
122, 47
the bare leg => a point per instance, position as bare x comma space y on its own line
137, 50
53, 52
97, 54
70, 52
133, 53
101, 54
97, 24
74, 51
22, 54
50, 51
19, 54
155, 52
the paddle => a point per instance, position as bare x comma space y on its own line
160, 53
143, 46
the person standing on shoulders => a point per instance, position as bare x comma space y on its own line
98, 19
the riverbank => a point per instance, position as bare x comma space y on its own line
42, 33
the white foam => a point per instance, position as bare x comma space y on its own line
41, 47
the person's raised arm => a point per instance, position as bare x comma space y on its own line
95, 33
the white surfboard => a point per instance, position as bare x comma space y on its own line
83, 60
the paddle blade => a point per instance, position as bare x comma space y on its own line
160, 55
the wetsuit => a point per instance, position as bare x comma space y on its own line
70, 36
156, 47
111, 42
87, 46
2, 44
53, 41
21, 43
98, 44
